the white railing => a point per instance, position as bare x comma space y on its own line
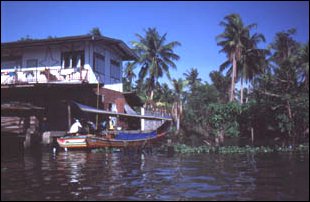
158, 113
43, 75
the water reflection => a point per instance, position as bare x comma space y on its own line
83, 175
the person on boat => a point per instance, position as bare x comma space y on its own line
111, 123
92, 127
44, 125
102, 128
103, 125
85, 128
75, 128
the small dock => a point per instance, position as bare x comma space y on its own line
20, 125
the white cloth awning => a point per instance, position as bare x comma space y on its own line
129, 110
90, 109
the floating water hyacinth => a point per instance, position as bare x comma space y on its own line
182, 148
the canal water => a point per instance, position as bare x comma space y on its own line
87, 175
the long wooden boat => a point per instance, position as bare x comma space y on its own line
124, 139
77, 142
115, 139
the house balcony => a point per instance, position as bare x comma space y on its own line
44, 75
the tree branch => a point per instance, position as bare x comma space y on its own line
270, 94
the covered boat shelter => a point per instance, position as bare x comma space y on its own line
140, 121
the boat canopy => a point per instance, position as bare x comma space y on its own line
90, 109
129, 110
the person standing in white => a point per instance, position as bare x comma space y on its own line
75, 127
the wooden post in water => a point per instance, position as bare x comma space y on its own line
37, 74
69, 115
142, 120
252, 135
97, 116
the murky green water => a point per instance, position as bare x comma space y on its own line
83, 175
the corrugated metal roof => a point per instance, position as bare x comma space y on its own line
128, 53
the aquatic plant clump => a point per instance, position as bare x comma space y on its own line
182, 148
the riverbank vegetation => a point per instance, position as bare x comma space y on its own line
270, 107
185, 149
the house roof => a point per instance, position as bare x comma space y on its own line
119, 45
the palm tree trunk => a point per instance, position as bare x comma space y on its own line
252, 135
290, 116
152, 95
241, 89
179, 114
233, 78
178, 124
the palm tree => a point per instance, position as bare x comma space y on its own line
129, 74
252, 61
221, 83
192, 77
156, 57
304, 66
177, 108
232, 41
166, 95
285, 49
284, 46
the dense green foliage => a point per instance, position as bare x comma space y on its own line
222, 118
282, 92
274, 106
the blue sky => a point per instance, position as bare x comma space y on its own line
194, 24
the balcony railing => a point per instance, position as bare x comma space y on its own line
43, 75
158, 113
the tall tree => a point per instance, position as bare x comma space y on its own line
252, 62
177, 108
166, 95
233, 41
221, 83
156, 57
129, 74
282, 90
303, 58
192, 77
95, 31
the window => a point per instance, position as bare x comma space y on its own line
72, 59
115, 70
32, 63
99, 63
112, 107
